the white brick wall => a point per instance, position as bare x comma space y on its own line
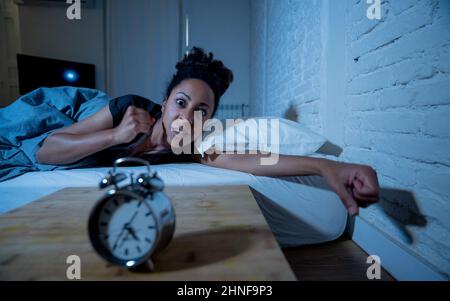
397, 101
398, 92
285, 59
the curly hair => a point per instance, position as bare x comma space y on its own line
200, 65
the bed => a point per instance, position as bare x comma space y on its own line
299, 210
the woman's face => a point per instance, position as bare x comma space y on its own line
189, 96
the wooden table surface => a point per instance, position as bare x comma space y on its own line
220, 235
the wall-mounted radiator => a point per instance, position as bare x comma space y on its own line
231, 111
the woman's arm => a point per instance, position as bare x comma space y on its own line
356, 185
92, 135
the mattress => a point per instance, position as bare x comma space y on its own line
299, 210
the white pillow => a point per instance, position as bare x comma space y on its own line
290, 138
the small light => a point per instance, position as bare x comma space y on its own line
130, 263
70, 76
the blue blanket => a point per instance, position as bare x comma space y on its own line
26, 123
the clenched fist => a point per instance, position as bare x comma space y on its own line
355, 184
134, 122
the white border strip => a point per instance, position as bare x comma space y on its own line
395, 259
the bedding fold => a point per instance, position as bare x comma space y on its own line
27, 122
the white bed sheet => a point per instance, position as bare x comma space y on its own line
299, 210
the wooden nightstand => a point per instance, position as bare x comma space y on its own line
220, 235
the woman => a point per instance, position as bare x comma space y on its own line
132, 125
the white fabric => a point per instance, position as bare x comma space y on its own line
265, 134
297, 212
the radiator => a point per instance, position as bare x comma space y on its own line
231, 111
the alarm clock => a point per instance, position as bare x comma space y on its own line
133, 221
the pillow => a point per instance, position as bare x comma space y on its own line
255, 134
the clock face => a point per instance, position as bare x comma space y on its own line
126, 228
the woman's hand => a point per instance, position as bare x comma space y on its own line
135, 121
356, 185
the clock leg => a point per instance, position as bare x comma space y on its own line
145, 267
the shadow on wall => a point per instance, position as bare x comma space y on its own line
328, 148
291, 113
400, 207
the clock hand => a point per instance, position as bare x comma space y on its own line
124, 239
129, 231
132, 219
133, 233
125, 226
118, 238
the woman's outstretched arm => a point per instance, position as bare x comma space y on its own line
92, 135
356, 185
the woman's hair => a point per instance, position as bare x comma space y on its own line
200, 65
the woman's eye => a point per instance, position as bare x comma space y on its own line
180, 102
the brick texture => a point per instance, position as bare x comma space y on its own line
397, 102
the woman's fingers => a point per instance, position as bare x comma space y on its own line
141, 115
356, 185
366, 185
365, 190
363, 197
348, 201
145, 114
364, 201
144, 119
134, 122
